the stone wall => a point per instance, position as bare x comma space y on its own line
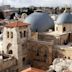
64, 51
39, 53
8, 65
44, 37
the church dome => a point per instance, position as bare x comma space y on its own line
64, 18
40, 22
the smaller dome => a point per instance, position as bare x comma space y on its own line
64, 18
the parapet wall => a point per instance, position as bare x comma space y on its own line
6, 63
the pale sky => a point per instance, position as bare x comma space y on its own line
21, 3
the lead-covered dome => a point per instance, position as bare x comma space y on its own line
64, 18
40, 22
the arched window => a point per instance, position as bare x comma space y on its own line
23, 60
0, 32
65, 42
20, 34
45, 55
37, 53
64, 29
56, 54
24, 33
10, 52
68, 57
9, 45
11, 34
7, 34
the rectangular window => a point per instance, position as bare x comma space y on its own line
11, 34
23, 60
37, 53
24, 33
7, 34
20, 34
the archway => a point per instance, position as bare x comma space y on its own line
9, 50
64, 29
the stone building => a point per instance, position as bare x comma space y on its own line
33, 44
62, 36
17, 41
14, 36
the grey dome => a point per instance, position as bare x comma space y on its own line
64, 18
40, 22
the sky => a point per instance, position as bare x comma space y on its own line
26, 3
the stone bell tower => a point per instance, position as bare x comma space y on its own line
14, 35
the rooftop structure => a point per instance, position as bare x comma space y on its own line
17, 24
64, 18
33, 70
40, 21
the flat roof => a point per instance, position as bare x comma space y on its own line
55, 33
68, 46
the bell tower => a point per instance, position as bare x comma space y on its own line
14, 35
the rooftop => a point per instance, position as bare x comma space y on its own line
68, 46
40, 21
32, 70
17, 24
55, 33
67, 71
64, 18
